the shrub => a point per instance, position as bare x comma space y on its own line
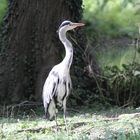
124, 85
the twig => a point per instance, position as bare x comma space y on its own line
38, 129
111, 119
32, 129
10, 108
24, 103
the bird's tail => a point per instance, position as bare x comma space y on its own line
46, 110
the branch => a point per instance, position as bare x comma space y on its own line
52, 127
25, 103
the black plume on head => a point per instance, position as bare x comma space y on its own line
66, 22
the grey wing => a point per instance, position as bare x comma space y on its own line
50, 88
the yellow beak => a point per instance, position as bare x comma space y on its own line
77, 24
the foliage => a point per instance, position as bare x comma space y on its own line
124, 85
122, 72
120, 64
111, 18
3, 8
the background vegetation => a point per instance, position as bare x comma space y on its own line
108, 19
3, 8
113, 34
112, 18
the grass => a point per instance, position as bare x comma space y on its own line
85, 124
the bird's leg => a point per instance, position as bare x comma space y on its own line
56, 122
64, 115
56, 119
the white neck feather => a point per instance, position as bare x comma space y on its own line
68, 48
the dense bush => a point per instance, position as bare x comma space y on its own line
124, 85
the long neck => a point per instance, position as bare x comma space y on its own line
68, 48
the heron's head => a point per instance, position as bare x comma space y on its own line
68, 25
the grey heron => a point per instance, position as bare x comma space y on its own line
58, 85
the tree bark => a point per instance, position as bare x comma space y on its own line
32, 46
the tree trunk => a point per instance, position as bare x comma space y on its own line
32, 46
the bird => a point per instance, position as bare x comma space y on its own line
58, 85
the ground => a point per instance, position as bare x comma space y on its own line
91, 123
